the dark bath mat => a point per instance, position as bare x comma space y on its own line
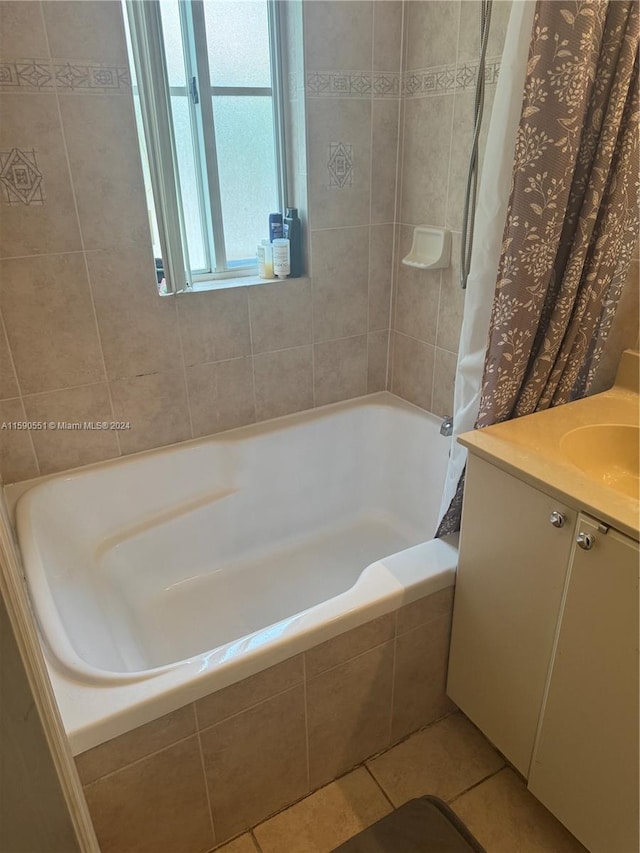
426, 825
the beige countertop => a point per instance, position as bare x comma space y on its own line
530, 449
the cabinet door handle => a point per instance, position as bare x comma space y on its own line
557, 519
586, 541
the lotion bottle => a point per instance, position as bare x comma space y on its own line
281, 258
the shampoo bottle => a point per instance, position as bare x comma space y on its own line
292, 228
275, 226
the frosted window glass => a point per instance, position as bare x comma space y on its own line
172, 37
238, 43
188, 181
246, 164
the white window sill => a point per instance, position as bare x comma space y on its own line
239, 281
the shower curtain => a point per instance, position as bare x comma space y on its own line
571, 214
491, 213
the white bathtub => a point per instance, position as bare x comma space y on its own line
160, 578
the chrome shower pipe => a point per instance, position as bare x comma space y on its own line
469, 216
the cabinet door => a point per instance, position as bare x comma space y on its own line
511, 574
585, 765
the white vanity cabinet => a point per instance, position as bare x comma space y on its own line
585, 764
544, 651
514, 550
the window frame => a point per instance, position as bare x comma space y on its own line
155, 93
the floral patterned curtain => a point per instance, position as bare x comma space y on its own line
572, 220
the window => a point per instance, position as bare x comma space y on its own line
208, 100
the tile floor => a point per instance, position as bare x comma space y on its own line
450, 759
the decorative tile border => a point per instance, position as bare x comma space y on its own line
444, 79
44, 75
352, 84
419, 83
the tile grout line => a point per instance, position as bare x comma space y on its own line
435, 346
253, 363
379, 784
397, 207
453, 114
393, 674
373, 44
505, 766
20, 397
204, 773
82, 243
184, 365
306, 718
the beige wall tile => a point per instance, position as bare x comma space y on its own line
137, 326
459, 163
214, 325
412, 370
340, 259
156, 407
117, 753
60, 449
280, 315
432, 32
338, 35
378, 352
8, 383
86, 31
504, 817
327, 818
340, 369
47, 309
469, 37
244, 844
452, 295
444, 377
425, 609
256, 762
284, 382
221, 395
442, 760
420, 677
157, 805
348, 710
426, 144
107, 178
417, 296
384, 157
17, 457
331, 121
22, 32
380, 275
249, 692
387, 35
352, 643
32, 125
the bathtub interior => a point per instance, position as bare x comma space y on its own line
154, 560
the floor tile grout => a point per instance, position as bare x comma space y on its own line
476, 784
379, 785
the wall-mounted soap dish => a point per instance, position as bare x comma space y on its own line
430, 250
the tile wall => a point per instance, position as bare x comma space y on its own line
440, 62
83, 335
215, 768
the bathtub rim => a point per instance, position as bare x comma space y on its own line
406, 576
